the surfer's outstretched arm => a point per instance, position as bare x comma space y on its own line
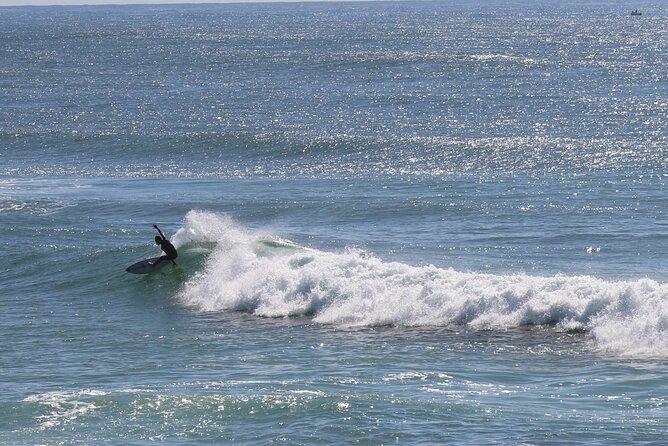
160, 232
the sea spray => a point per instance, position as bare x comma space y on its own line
270, 277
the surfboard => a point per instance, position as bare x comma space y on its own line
146, 266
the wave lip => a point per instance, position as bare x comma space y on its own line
270, 277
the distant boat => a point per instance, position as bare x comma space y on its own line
636, 12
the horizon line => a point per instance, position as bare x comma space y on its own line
57, 3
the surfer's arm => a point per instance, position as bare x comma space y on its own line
159, 231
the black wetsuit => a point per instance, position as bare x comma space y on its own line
168, 249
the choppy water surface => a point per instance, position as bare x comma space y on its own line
407, 223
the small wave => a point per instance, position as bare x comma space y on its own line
64, 406
495, 57
33, 207
245, 272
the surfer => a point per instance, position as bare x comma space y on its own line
166, 246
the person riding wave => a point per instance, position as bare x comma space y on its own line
166, 246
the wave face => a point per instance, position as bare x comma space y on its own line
270, 277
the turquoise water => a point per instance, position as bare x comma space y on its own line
406, 223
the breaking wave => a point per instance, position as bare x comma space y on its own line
269, 277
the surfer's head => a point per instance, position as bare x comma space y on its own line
158, 240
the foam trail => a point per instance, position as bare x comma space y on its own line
274, 278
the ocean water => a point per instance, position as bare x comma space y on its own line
397, 223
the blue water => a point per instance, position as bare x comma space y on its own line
397, 223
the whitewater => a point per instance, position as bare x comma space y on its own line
271, 277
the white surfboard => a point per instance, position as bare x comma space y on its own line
147, 266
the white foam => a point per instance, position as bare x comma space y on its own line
65, 406
248, 272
